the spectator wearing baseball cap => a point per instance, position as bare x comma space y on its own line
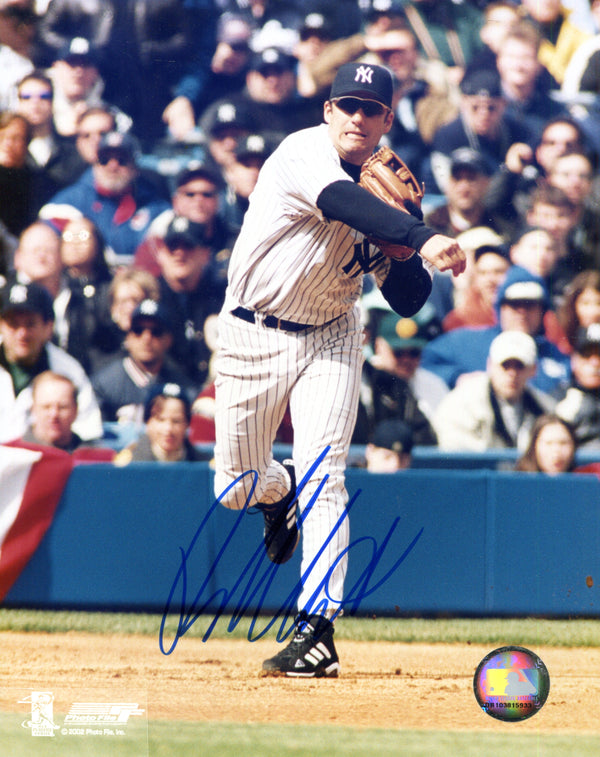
496, 409
271, 97
394, 384
197, 196
223, 123
193, 292
241, 176
390, 447
466, 186
522, 300
581, 404
167, 415
30, 307
113, 194
78, 85
231, 57
480, 124
122, 384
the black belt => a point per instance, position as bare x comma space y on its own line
270, 321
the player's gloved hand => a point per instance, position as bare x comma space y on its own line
445, 254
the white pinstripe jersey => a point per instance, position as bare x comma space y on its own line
289, 261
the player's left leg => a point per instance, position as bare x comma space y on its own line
323, 405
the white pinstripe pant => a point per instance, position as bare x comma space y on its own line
258, 370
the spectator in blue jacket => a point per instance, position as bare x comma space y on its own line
112, 193
522, 300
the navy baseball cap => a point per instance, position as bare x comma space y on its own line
153, 311
169, 389
253, 145
587, 338
183, 232
316, 25
29, 298
78, 50
223, 115
502, 250
234, 30
465, 157
484, 82
364, 80
115, 142
272, 58
196, 169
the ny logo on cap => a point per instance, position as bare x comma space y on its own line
18, 294
148, 307
364, 74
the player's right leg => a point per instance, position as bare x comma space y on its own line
251, 399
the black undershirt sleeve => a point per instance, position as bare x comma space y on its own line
347, 202
407, 285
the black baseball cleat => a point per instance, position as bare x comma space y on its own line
281, 529
310, 654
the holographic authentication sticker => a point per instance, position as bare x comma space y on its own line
511, 684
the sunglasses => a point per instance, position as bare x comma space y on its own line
413, 352
207, 195
370, 108
155, 331
122, 160
40, 96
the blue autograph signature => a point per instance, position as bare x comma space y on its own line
258, 574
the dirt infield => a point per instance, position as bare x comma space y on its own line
382, 684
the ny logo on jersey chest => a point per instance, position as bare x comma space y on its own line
362, 260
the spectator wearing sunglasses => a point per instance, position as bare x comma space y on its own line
121, 386
52, 159
481, 125
78, 86
196, 196
113, 194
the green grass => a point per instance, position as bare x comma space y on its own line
538, 631
162, 739
234, 740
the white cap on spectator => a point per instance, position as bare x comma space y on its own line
513, 345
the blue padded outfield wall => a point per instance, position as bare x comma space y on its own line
424, 541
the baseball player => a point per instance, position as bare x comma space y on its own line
290, 331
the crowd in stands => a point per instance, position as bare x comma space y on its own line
131, 137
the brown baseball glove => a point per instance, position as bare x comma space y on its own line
387, 176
